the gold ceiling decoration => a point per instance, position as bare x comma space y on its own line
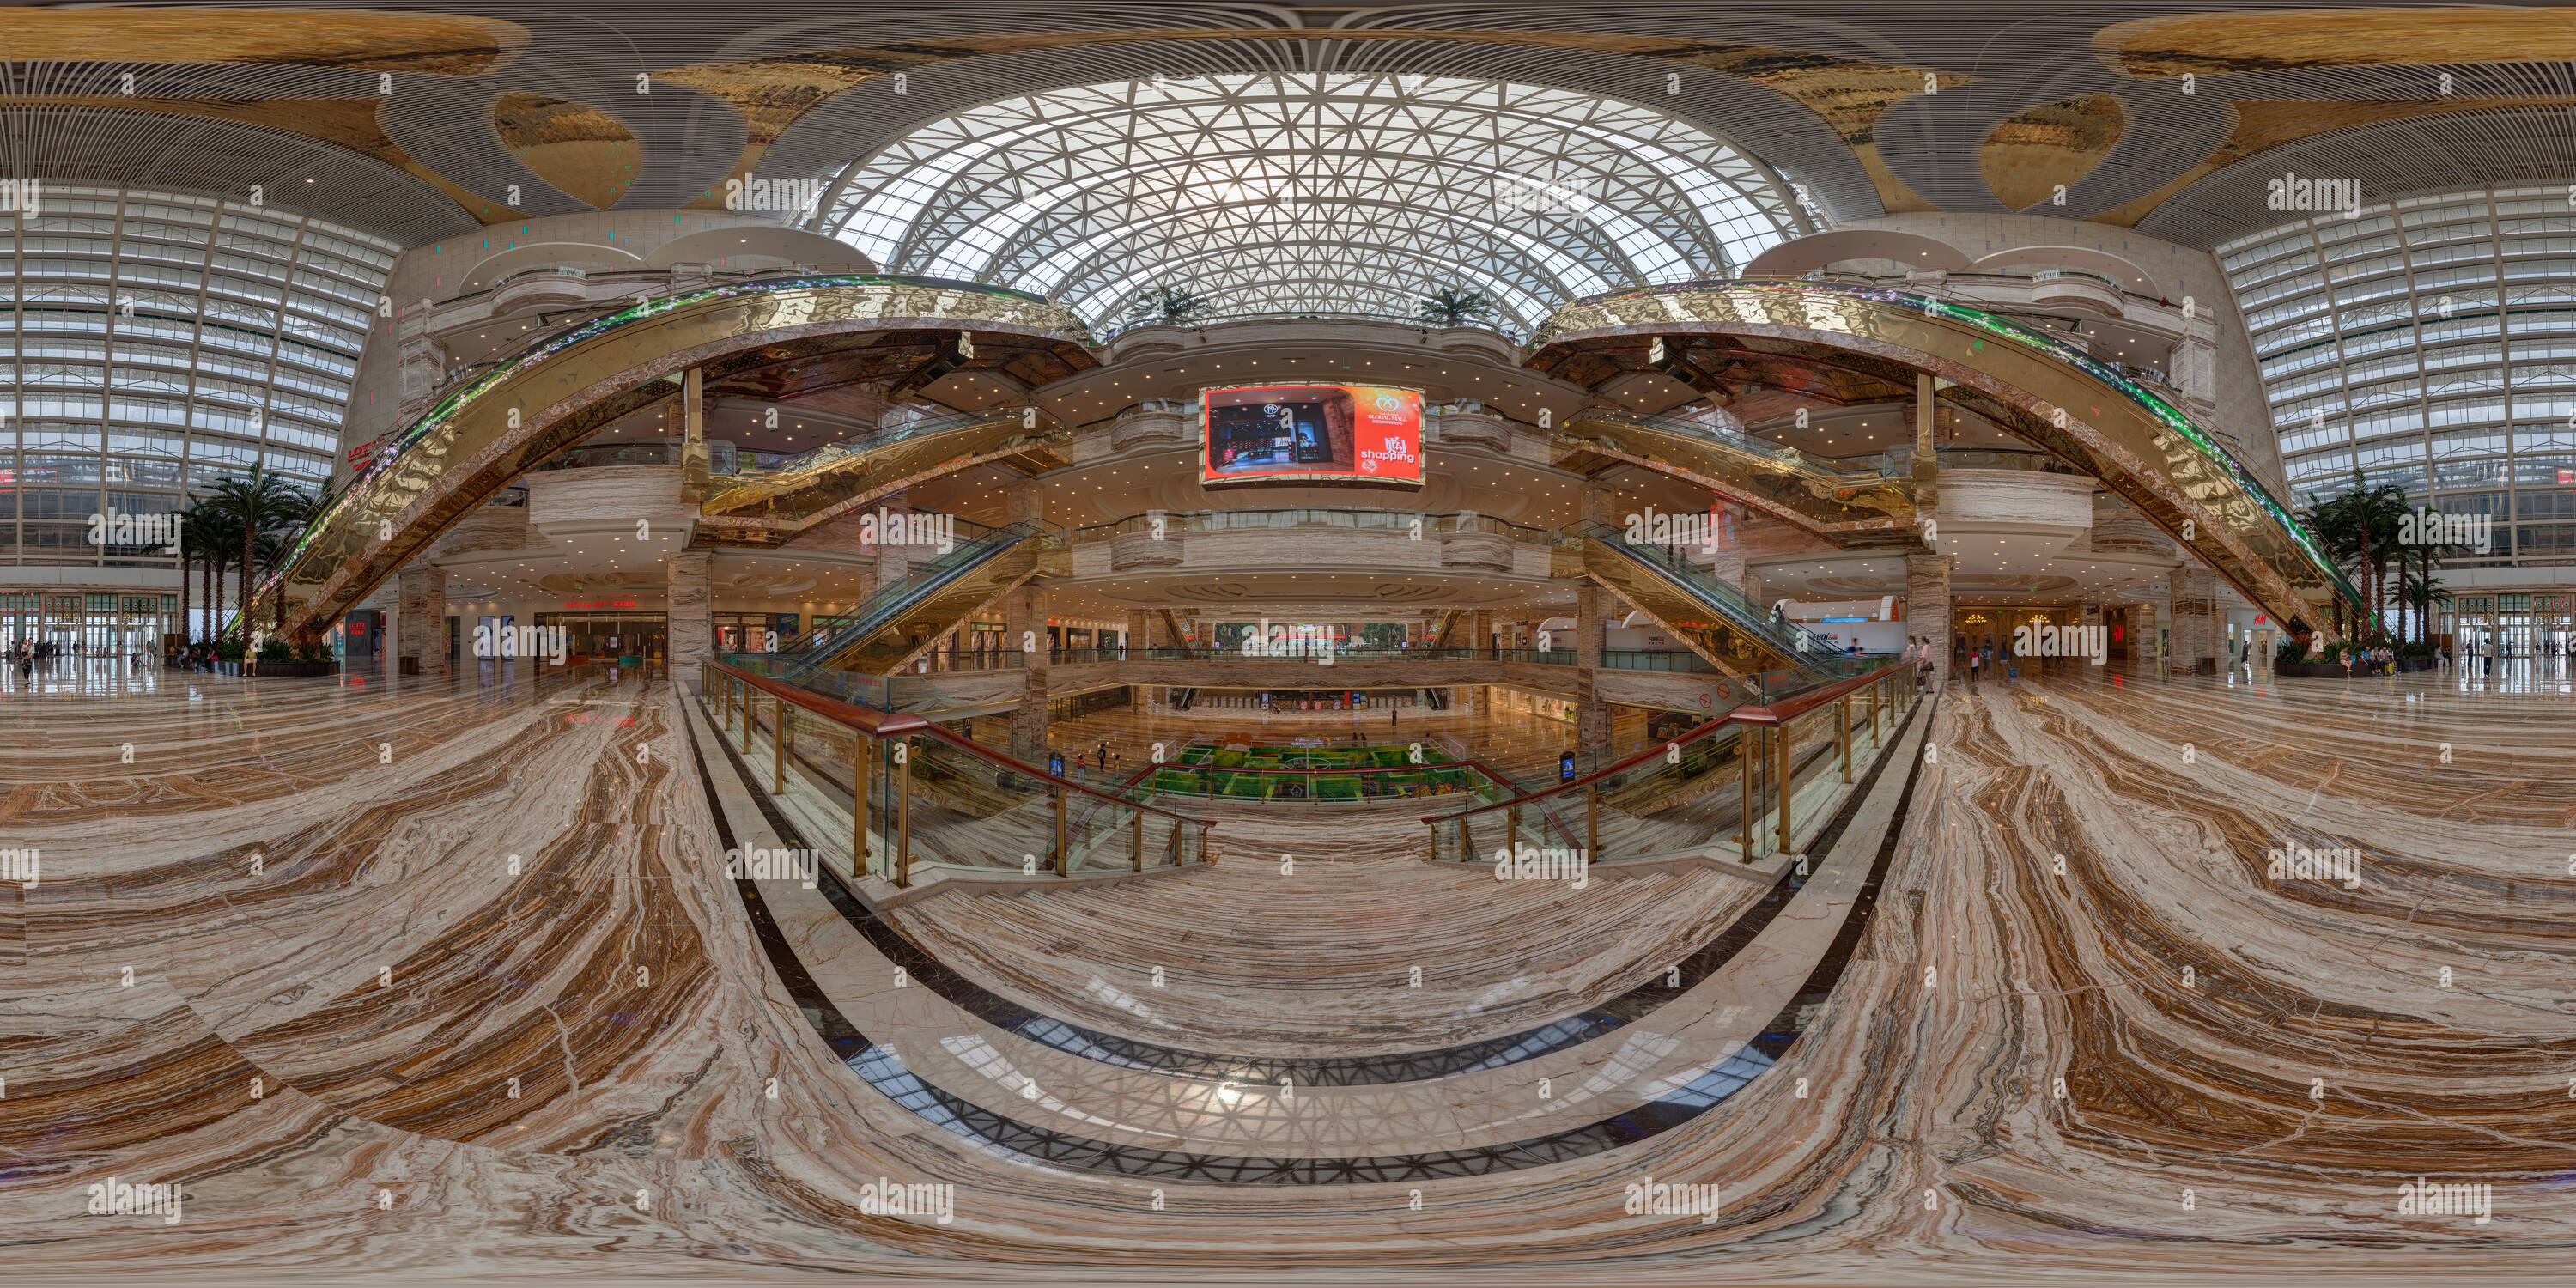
578, 148
433, 44
2213, 44
770, 93
2029, 154
349, 123
2259, 125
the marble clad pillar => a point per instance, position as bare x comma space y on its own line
1927, 607
422, 619
1481, 629
421, 365
1591, 714
2143, 624
693, 445
2193, 600
693, 614
894, 562
1139, 628
1927, 460
1024, 612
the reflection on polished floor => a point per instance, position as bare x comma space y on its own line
485, 987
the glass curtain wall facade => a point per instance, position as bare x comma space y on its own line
2432, 343
158, 343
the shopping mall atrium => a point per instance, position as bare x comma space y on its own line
1219, 642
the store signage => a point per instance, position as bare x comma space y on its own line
599, 603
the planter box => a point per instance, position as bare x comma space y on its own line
2335, 671
292, 670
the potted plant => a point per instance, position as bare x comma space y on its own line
228, 657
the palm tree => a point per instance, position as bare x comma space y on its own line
2376, 514
258, 505
2339, 540
2423, 591
206, 534
1453, 307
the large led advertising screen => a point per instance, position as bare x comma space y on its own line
1369, 435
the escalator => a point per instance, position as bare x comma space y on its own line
1848, 505
899, 621
486, 429
1717, 621
768, 507
1184, 699
1436, 699
1877, 343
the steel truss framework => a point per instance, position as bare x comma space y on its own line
1312, 193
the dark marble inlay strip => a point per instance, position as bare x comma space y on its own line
883, 1070
1321, 1071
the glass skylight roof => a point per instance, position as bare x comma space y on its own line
1312, 193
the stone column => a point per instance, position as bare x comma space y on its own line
421, 364
422, 619
2143, 624
1927, 462
2193, 598
693, 433
692, 620
1024, 612
1591, 714
1480, 629
1927, 607
1138, 628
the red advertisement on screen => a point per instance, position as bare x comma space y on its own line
1349, 434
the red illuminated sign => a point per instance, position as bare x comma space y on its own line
357, 628
599, 603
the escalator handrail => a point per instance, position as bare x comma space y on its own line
873, 724
875, 438
1794, 641
2032, 337
1773, 715
870, 617
453, 398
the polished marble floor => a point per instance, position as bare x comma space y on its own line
446, 978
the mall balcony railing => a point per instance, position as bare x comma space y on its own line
1178, 522
894, 796
1788, 760
1343, 786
